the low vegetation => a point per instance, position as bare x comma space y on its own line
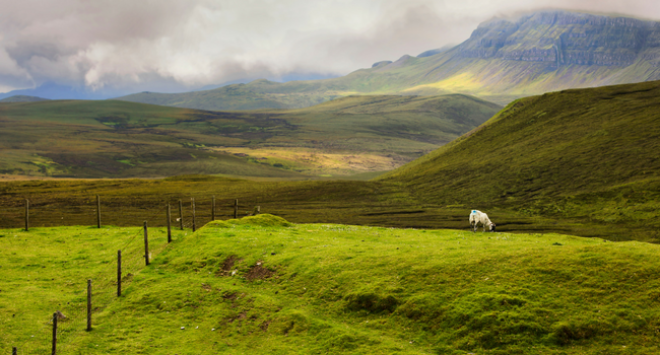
588, 154
263, 285
94, 139
581, 162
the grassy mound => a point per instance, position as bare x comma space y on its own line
363, 290
262, 220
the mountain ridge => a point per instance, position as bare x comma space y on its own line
502, 60
23, 98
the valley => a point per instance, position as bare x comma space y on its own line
331, 216
94, 139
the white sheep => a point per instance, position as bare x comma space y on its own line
477, 217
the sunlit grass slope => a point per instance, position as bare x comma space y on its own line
590, 154
261, 285
121, 139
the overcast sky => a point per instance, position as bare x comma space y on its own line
175, 45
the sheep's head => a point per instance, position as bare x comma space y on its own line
492, 227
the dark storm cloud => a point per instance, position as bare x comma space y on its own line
170, 45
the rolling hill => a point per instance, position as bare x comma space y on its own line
22, 98
123, 139
501, 61
590, 154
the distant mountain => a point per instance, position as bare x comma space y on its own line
502, 60
281, 79
55, 91
22, 98
435, 51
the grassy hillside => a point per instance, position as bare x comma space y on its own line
111, 139
590, 154
502, 60
261, 285
582, 162
121, 139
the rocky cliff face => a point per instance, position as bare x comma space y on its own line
560, 37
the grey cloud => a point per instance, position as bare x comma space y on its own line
176, 45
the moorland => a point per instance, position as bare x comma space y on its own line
348, 136
581, 162
374, 263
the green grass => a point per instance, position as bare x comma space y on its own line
325, 288
46, 269
356, 135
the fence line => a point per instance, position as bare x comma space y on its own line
72, 317
116, 211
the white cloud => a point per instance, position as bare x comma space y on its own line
177, 44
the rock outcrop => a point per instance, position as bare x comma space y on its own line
561, 37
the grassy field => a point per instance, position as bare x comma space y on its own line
95, 139
262, 285
376, 203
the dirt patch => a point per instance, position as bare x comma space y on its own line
258, 272
238, 317
127, 277
264, 325
207, 288
230, 296
228, 265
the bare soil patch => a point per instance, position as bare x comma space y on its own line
258, 272
228, 265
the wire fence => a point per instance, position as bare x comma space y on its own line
50, 212
72, 315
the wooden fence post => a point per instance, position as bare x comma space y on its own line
169, 224
54, 349
236, 209
27, 215
118, 273
213, 208
181, 214
193, 213
146, 245
98, 211
89, 305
